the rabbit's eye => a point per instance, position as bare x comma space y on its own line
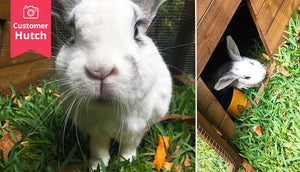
136, 32
247, 77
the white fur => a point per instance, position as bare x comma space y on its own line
244, 72
136, 94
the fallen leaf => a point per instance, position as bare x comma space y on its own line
19, 104
4, 130
257, 130
265, 56
187, 162
168, 166
298, 63
297, 31
283, 71
6, 143
284, 115
280, 96
160, 154
173, 155
243, 128
249, 105
39, 89
27, 97
55, 94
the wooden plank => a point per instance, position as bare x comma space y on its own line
5, 9
1, 35
6, 60
211, 29
202, 6
210, 107
209, 135
267, 14
5, 45
277, 28
22, 74
261, 35
256, 5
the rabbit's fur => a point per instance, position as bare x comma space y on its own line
115, 81
241, 72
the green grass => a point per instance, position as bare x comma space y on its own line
278, 149
207, 159
41, 120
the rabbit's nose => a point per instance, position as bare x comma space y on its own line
100, 73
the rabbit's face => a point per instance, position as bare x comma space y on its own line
109, 53
246, 78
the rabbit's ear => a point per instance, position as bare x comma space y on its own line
233, 50
225, 81
149, 8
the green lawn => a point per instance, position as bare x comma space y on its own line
278, 149
41, 120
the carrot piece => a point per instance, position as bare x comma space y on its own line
160, 155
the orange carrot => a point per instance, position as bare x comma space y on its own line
160, 155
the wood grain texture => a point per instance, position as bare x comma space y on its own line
218, 142
276, 31
211, 28
5, 9
21, 75
256, 5
202, 6
272, 33
267, 14
212, 110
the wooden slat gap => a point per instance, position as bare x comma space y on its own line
211, 2
274, 18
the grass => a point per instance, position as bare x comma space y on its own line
207, 159
41, 119
278, 149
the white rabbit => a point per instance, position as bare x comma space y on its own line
241, 72
115, 81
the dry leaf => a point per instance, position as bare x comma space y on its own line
257, 130
160, 154
243, 128
283, 71
265, 56
298, 63
6, 143
173, 155
187, 162
284, 115
39, 89
297, 31
168, 166
19, 104
55, 94
27, 97
280, 96
249, 105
